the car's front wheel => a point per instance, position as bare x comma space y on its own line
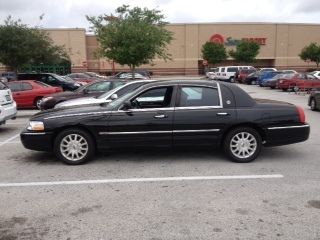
313, 104
242, 144
74, 146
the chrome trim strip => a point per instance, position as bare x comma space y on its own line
128, 133
288, 127
220, 95
33, 133
198, 108
200, 130
153, 132
78, 114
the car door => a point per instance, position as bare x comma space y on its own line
199, 116
148, 123
27, 94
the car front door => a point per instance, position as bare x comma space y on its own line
147, 123
199, 117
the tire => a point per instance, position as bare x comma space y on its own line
37, 102
231, 79
272, 87
237, 140
253, 82
313, 104
67, 146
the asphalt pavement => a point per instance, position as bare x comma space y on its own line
185, 194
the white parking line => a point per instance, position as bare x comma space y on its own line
128, 180
8, 140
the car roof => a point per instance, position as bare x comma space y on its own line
184, 82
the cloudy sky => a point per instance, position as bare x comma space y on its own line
71, 13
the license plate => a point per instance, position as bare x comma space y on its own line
8, 98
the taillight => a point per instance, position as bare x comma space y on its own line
302, 116
281, 81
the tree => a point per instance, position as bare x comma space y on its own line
213, 52
246, 51
21, 46
311, 53
132, 36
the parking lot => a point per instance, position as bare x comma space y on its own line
183, 194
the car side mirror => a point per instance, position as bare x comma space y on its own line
127, 105
114, 96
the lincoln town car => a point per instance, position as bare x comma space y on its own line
169, 114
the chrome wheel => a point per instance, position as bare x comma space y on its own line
74, 147
38, 103
243, 145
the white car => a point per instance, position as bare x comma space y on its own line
104, 98
316, 74
8, 107
227, 73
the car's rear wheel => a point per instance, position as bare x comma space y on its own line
74, 146
37, 102
313, 104
253, 82
242, 144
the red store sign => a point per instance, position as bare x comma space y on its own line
218, 38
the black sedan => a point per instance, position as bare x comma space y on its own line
169, 114
314, 100
90, 90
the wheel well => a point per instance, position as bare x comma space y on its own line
35, 100
250, 125
80, 127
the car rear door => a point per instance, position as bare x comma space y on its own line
200, 117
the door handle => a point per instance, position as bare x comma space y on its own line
222, 114
160, 116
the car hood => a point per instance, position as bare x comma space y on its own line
68, 112
84, 101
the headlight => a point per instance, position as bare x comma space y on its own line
35, 126
77, 84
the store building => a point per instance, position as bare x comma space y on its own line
280, 46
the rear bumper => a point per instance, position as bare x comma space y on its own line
276, 136
8, 112
42, 141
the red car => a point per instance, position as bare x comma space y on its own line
28, 93
243, 73
296, 81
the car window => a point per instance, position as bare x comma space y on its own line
26, 86
198, 96
222, 69
15, 87
43, 84
100, 86
51, 80
232, 69
153, 98
128, 88
118, 84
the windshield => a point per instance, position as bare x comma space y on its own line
63, 79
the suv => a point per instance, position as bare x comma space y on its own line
228, 73
8, 107
51, 79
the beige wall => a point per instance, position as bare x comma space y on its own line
283, 45
74, 40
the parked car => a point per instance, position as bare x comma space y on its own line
211, 73
227, 73
267, 69
186, 113
264, 76
8, 107
307, 84
243, 73
10, 76
290, 83
272, 82
51, 79
104, 98
251, 79
90, 90
29, 93
128, 75
82, 77
95, 75
314, 100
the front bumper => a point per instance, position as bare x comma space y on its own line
283, 135
38, 141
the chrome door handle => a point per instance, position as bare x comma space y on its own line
160, 116
222, 114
